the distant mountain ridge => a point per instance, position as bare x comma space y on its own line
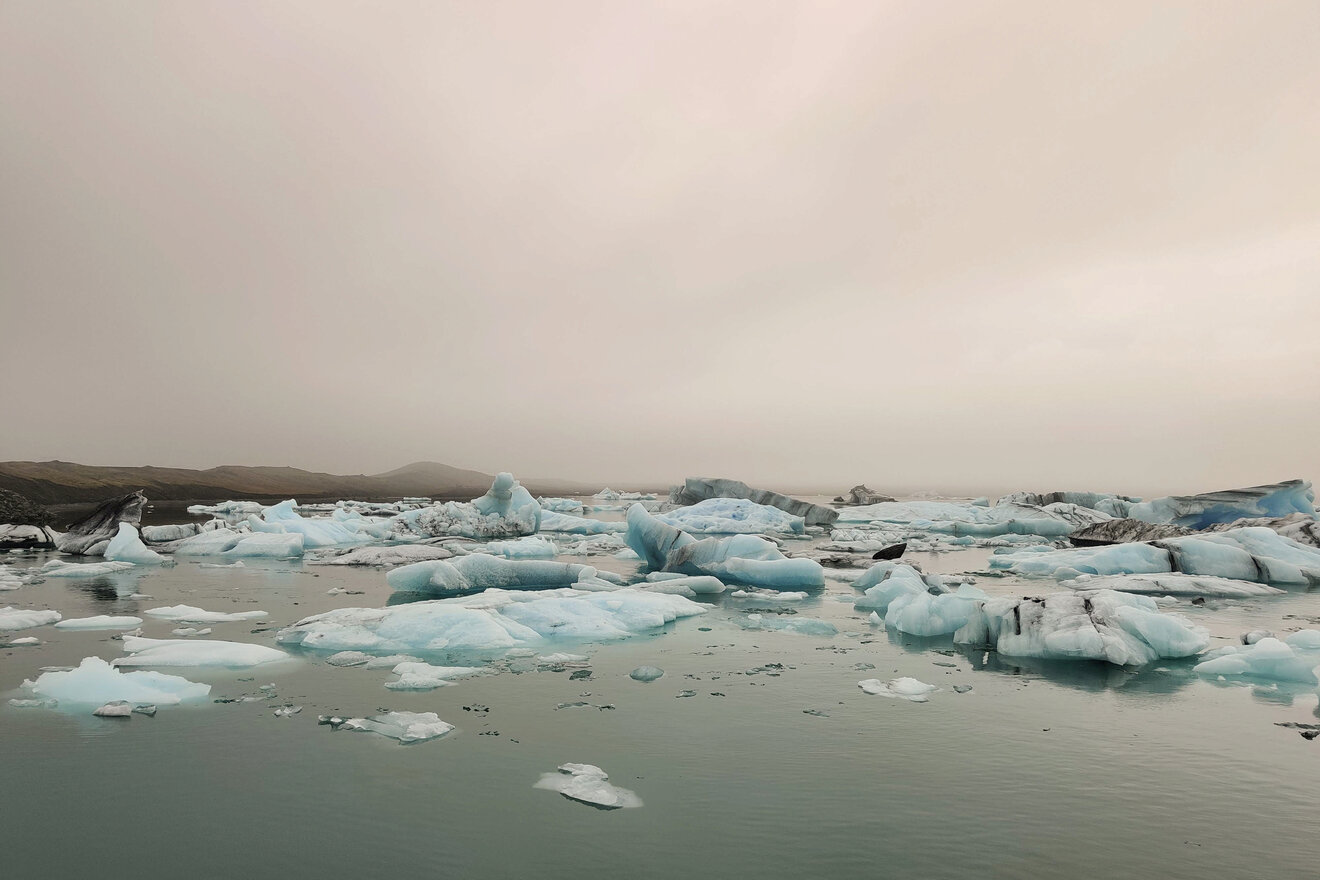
62, 482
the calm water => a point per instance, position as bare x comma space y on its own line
1041, 771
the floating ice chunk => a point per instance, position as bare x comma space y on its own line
127, 546
1201, 511
233, 544
418, 676
646, 673
19, 703
588, 784
12, 618
1304, 640
1119, 628
467, 574
523, 548
239, 564
115, 709
396, 554
559, 505
1267, 658
91, 535
955, 518
58, 568
807, 626
26, 642
776, 595
493, 620
552, 521
95, 682
732, 516
696, 489
901, 688
745, 559
168, 533
507, 510
186, 631
349, 658
195, 652
16, 536
192, 614
925, 615
100, 621
232, 512
316, 532
406, 727
1173, 585
884, 582
652, 539
685, 585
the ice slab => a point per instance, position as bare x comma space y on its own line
1173, 585
733, 516
12, 619
420, 676
1118, 628
530, 547
195, 652
1268, 659
100, 621
900, 688
315, 531
553, 521
391, 555
467, 574
60, 569
926, 615
406, 727
1210, 508
966, 519
127, 546
696, 489
231, 544
491, 621
193, 614
95, 682
588, 784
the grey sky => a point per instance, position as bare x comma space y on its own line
962, 246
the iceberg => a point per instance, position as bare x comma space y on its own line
685, 585
316, 532
926, 615
559, 505
1211, 508
419, 676
467, 574
58, 568
491, 621
1124, 531
1118, 628
901, 688
233, 544
588, 784
390, 555
973, 520
24, 536
91, 535
553, 521
100, 621
195, 652
507, 510
653, 539
12, 619
860, 495
170, 533
521, 548
127, 546
1268, 658
1173, 585
1299, 527
696, 489
95, 682
232, 512
192, 614
1104, 502
733, 516
406, 727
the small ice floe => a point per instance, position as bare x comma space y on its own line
192, 614
100, 621
238, 564
185, 631
808, 626
769, 594
561, 658
61, 569
287, 711
646, 673
588, 784
419, 676
25, 642
148, 709
1251, 638
196, 652
902, 688
406, 727
115, 709
12, 618
19, 703
340, 591
1293, 660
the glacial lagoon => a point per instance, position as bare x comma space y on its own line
755, 754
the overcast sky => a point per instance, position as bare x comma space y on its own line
970, 246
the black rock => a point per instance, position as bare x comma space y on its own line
894, 551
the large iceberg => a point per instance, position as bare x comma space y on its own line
468, 574
316, 531
696, 489
1210, 508
233, 544
733, 516
1118, 628
1252, 554
740, 559
974, 520
127, 546
95, 682
91, 534
507, 510
491, 621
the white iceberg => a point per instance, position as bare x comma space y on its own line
316, 531
193, 614
1268, 658
467, 574
1118, 628
529, 547
1173, 585
588, 784
100, 621
127, 546
195, 652
507, 510
58, 568
901, 688
406, 727
12, 619
420, 676
493, 620
732, 516
95, 682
